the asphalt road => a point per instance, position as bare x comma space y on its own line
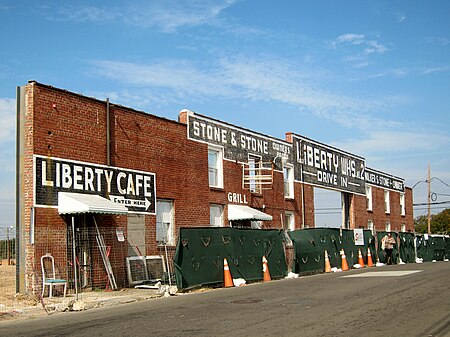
402, 300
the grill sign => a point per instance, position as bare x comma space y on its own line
325, 166
132, 189
384, 180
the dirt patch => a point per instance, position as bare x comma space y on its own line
8, 298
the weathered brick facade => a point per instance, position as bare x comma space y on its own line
61, 124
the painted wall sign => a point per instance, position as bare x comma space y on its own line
384, 180
237, 143
237, 198
321, 165
136, 190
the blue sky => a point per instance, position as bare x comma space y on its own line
368, 77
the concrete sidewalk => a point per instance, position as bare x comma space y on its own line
31, 306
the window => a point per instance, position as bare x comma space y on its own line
371, 227
402, 203
254, 165
403, 227
289, 225
216, 215
256, 224
288, 174
289, 221
388, 226
369, 197
164, 222
387, 206
215, 167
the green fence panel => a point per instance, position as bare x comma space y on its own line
310, 245
424, 250
431, 248
447, 248
200, 252
406, 249
438, 247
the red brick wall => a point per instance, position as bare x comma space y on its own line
361, 216
70, 126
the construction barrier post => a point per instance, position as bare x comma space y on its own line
228, 280
327, 263
369, 258
344, 261
266, 272
360, 258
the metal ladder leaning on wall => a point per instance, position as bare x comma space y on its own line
105, 258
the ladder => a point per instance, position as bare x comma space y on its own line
105, 258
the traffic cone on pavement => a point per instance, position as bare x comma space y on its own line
369, 258
360, 258
266, 273
327, 263
344, 260
227, 279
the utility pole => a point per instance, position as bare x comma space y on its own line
429, 199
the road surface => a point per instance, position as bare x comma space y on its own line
401, 300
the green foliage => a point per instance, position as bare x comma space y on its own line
440, 223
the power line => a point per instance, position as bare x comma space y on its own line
442, 181
432, 203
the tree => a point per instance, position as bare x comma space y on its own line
440, 223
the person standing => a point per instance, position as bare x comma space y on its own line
388, 243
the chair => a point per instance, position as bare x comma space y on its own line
48, 275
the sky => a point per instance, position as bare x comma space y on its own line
368, 77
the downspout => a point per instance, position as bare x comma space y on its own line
108, 134
74, 258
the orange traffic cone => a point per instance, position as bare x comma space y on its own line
327, 263
360, 259
344, 260
369, 258
228, 281
265, 269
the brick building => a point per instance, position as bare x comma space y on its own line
88, 168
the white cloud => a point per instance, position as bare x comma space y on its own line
444, 41
355, 39
401, 17
182, 77
259, 79
433, 70
165, 15
369, 46
7, 140
357, 48
8, 118
86, 14
168, 16
374, 47
382, 142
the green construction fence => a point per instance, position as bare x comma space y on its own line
200, 253
310, 245
433, 247
406, 249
